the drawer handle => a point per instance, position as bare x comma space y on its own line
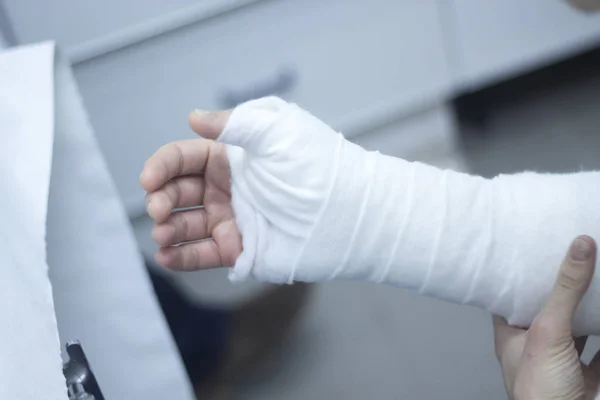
282, 84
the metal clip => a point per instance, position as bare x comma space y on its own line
81, 382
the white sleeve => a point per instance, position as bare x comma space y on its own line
312, 206
70, 268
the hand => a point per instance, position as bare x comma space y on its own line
543, 362
281, 161
193, 173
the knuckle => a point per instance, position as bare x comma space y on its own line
572, 278
180, 226
167, 151
171, 157
173, 192
185, 226
178, 155
203, 220
195, 257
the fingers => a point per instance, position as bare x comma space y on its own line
185, 191
553, 323
208, 124
186, 157
221, 250
508, 345
503, 333
190, 256
184, 226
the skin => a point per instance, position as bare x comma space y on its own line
543, 362
193, 173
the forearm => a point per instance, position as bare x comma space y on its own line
312, 206
495, 244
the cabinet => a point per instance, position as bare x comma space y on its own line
498, 39
351, 63
71, 23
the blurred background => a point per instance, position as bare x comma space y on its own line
483, 87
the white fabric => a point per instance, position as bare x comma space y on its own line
102, 294
312, 206
30, 364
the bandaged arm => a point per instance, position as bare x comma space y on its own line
312, 206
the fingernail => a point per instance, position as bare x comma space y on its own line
581, 250
200, 115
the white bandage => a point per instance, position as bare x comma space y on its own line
312, 206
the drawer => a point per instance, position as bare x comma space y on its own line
345, 61
429, 136
423, 136
500, 38
73, 22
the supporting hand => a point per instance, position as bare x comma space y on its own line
543, 362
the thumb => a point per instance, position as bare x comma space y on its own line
248, 126
209, 124
573, 280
